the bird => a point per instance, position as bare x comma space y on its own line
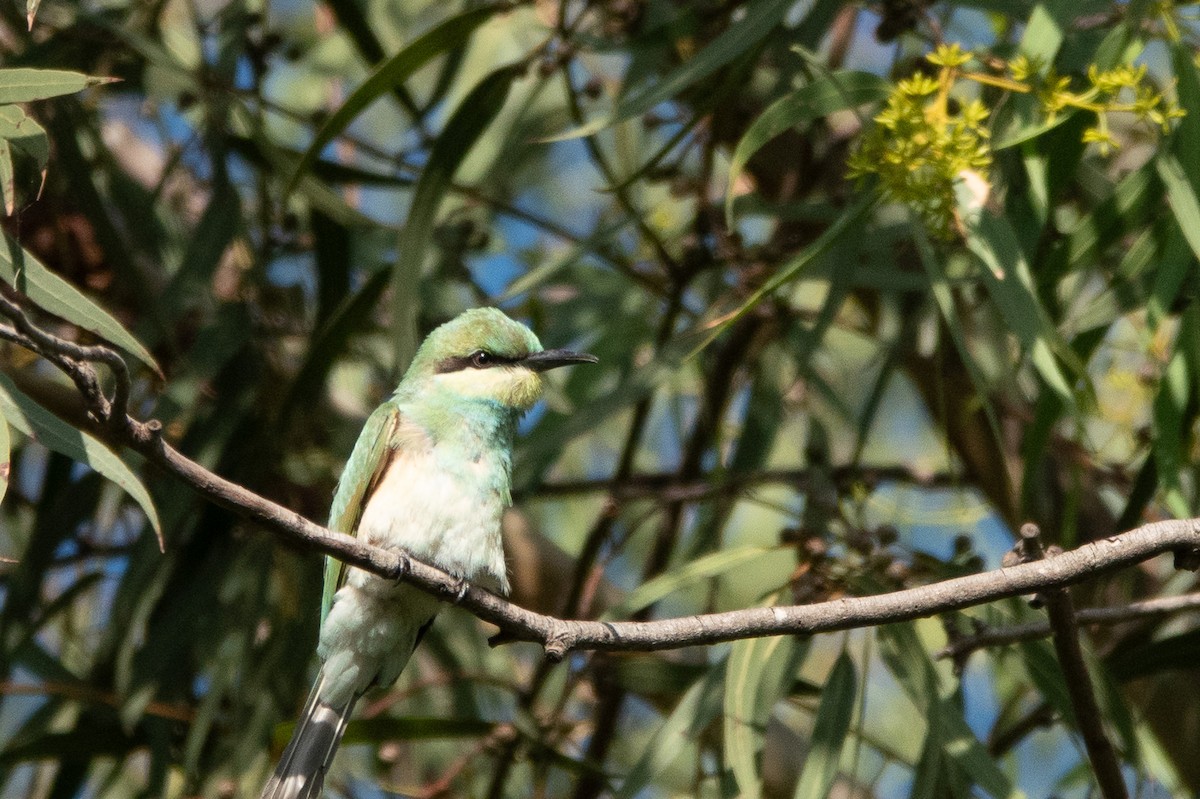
430, 474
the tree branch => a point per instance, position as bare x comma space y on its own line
963, 646
1080, 690
560, 636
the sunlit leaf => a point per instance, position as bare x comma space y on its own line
44, 427
47, 290
827, 94
26, 85
391, 73
5, 455
462, 130
1010, 284
7, 189
697, 708
677, 579
1182, 199
829, 732
761, 16
758, 673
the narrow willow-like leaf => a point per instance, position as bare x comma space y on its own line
1181, 197
669, 582
698, 707
820, 98
44, 427
939, 287
28, 275
850, 220
5, 455
829, 732
8, 190
760, 18
950, 741
391, 73
26, 85
462, 130
758, 671
25, 134
1010, 284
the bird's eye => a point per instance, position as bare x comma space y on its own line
482, 359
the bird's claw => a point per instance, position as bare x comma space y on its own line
460, 589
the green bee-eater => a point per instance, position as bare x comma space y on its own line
430, 474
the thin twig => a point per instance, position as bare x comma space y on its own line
961, 647
86, 693
71, 358
668, 487
560, 636
1088, 717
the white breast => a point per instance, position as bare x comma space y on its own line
450, 519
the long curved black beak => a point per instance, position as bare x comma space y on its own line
552, 359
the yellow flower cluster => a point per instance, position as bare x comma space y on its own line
920, 145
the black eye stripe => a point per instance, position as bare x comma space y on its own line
457, 363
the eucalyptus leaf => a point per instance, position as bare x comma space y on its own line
26, 85
689, 573
834, 714
5, 455
760, 18
24, 133
822, 97
44, 427
447, 36
759, 672
472, 117
699, 706
27, 274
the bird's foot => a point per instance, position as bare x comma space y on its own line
460, 589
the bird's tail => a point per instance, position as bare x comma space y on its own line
301, 770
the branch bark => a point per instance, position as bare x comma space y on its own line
560, 636
1080, 690
962, 646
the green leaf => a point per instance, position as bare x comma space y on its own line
1181, 198
5, 455
462, 130
44, 427
27, 85
939, 287
395, 71
24, 133
669, 582
760, 18
758, 673
833, 92
50, 292
950, 741
829, 732
698, 707
7, 188
1010, 284
850, 220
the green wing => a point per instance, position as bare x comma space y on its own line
370, 455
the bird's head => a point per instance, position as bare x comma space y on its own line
482, 354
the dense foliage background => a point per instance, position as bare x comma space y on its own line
839, 356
